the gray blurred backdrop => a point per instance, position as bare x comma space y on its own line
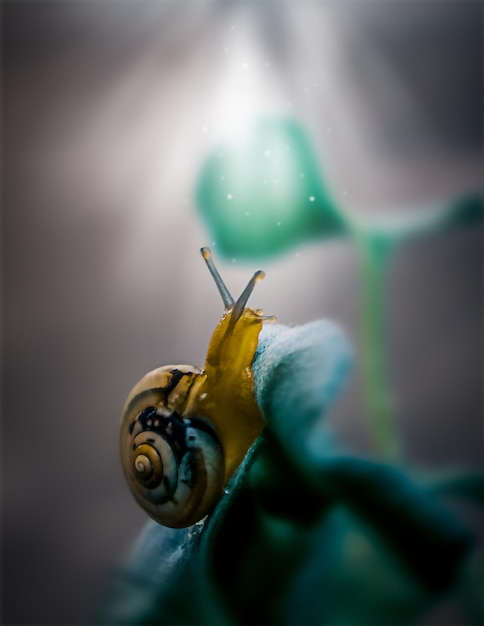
108, 110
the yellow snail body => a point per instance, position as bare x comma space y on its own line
184, 429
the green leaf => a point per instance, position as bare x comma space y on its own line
367, 547
298, 374
350, 577
305, 533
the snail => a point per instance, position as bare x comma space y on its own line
186, 429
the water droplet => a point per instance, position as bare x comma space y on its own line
234, 260
278, 223
311, 198
229, 196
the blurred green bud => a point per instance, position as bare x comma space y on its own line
262, 193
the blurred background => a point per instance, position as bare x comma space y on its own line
109, 109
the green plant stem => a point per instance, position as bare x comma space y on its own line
381, 414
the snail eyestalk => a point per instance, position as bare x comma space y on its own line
224, 292
239, 306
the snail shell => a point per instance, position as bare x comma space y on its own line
174, 464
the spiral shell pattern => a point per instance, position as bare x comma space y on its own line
174, 465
